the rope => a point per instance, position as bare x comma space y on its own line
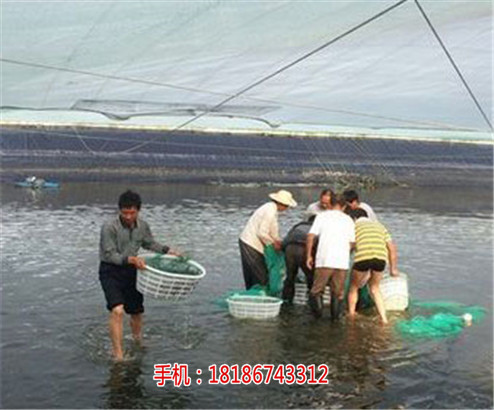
450, 58
105, 76
282, 69
295, 62
230, 97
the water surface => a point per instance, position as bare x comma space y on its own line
55, 348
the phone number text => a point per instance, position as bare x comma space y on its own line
178, 374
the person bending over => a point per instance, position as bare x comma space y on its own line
262, 230
373, 247
336, 233
294, 244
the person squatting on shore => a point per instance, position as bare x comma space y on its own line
373, 247
120, 241
262, 230
336, 234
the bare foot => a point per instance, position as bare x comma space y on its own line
139, 342
128, 357
118, 358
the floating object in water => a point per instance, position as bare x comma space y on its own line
435, 326
254, 307
37, 183
448, 319
467, 318
394, 291
173, 278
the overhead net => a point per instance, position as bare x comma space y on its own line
370, 98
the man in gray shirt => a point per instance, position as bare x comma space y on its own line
120, 241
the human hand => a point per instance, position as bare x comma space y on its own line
277, 245
394, 272
309, 262
173, 252
139, 263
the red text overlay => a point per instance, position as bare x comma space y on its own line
178, 374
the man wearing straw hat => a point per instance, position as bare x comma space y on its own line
120, 241
262, 230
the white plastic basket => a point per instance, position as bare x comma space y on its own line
302, 295
166, 285
254, 307
394, 291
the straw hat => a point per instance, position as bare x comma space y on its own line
283, 197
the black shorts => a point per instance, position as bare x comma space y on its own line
119, 285
376, 265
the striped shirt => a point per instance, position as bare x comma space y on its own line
370, 240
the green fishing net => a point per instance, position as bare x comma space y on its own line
256, 290
275, 262
180, 265
439, 319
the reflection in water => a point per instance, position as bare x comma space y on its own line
128, 387
352, 350
125, 387
184, 333
366, 343
254, 342
95, 343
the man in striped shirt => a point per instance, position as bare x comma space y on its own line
373, 247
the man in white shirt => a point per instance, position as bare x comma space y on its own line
353, 201
322, 205
336, 233
262, 230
